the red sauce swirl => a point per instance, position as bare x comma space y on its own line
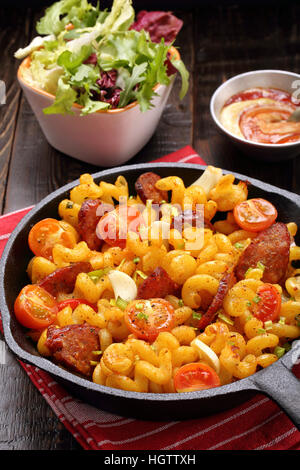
267, 123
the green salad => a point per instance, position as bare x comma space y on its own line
102, 59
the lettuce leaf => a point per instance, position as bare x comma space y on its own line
71, 63
65, 97
130, 82
156, 73
65, 11
179, 65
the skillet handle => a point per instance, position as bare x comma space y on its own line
280, 384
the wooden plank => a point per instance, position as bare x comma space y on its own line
14, 32
227, 46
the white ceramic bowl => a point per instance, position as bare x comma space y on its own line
280, 79
105, 138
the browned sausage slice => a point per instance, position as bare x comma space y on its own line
225, 284
87, 223
271, 247
157, 285
145, 188
193, 217
63, 279
73, 346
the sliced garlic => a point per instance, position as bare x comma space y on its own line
123, 285
209, 179
207, 354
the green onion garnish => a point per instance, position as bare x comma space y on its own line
121, 303
248, 271
142, 316
139, 306
137, 260
261, 331
260, 266
279, 351
181, 304
268, 324
97, 353
248, 303
238, 246
225, 319
282, 320
141, 274
256, 299
94, 363
96, 275
197, 315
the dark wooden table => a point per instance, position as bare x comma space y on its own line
218, 40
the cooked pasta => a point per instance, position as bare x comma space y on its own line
178, 316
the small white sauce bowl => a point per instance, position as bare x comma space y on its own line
281, 79
105, 138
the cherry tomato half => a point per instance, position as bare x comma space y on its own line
267, 303
255, 215
46, 233
114, 226
35, 308
195, 376
147, 318
73, 303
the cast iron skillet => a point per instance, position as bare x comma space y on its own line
277, 381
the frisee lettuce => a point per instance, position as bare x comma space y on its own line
63, 66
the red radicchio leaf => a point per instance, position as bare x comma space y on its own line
92, 59
159, 24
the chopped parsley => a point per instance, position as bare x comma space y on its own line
142, 316
239, 246
197, 315
256, 299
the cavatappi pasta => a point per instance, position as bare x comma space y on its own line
164, 314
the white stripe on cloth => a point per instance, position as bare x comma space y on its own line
216, 425
254, 428
189, 157
277, 439
15, 212
139, 436
5, 236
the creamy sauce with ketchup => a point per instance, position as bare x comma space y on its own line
261, 115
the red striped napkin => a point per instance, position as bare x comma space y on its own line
257, 424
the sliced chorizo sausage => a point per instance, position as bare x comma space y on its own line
157, 285
63, 279
87, 223
225, 284
271, 247
145, 188
73, 346
192, 217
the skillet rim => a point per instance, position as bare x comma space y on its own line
45, 364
